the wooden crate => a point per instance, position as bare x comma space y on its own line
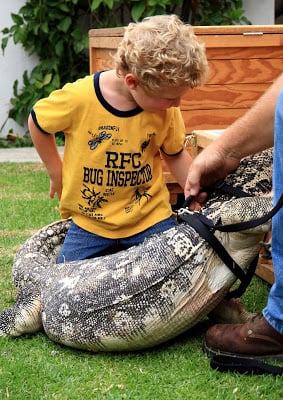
243, 61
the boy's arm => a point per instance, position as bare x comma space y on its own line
47, 149
179, 165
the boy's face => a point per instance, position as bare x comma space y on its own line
157, 100
162, 99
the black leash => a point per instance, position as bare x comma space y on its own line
221, 186
199, 224
243, 365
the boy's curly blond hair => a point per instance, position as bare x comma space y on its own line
162, 51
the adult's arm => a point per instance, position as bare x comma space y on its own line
251, 133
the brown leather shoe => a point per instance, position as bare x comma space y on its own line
254, 339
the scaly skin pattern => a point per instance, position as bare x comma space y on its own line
143, 296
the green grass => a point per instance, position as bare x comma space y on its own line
35, 368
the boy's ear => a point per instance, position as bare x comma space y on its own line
131, 81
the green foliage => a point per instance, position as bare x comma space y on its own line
50, 30
217, 12
106, 13
56, 32
13, 140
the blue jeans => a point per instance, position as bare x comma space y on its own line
80, 244
273, 312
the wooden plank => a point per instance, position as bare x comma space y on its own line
205, 137
237, 29
244, 71
100, 59
264, 267
104, 42
236, 63
234, 53
265, 270
210, 119
213, 36
229, 71
102, 55
108, 32
211, 44
200, 30
227, 41
222, 97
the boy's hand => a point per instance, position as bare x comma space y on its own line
55, 187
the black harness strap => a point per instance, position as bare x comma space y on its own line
221, 186
241, 226
205, 228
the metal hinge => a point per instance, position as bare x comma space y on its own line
252, 33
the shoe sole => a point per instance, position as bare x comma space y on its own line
214, 352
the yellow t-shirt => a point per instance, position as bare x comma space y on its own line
113, 183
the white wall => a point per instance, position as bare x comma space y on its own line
260, 12
12, 65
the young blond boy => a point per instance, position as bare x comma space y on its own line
116, 122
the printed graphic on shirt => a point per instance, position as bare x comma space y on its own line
118, 170
140, 195
93, 198
144, 145
97, 139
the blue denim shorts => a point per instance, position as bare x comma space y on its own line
80, 244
